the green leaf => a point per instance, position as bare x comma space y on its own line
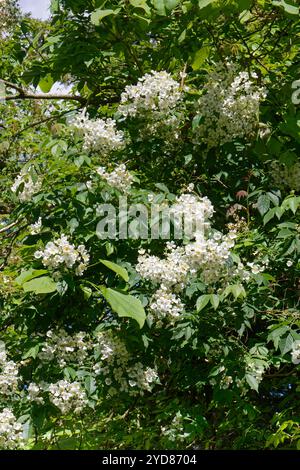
90, 385
140, 4
29, 274
202, 301
200, 56
288, 6
162, 187
46, 83
269, 216
286, 344
98, 15
40, 285
293, 204
276, 334
237, 290
125, 305
214, 300
171, 4
32, 352
263, 204
159, 6
116, 268
204, 3
252, 382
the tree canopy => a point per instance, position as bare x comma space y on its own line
150, 225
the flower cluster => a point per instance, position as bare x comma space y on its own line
99, 135
175, 432
116, 364
25, 186
65, 348
8, 375
296, 352
154, 92
154, 98
11, 432
61, 252
206, 255
119, 178
7, 15
166, 304
229, 106
192, 212
255, 369
34, 393
284, 176
36, 228
68, 396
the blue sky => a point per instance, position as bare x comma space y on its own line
38, 8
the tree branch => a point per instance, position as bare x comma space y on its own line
27, 95
8, 227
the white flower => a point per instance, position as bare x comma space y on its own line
154, 99
119, 178
65, 348
99, 135
289, 263
34, 390
35, 228
25, 187
61, 252
166, 304
8, 376
229, 106
68, 396
116, 365
154, 92
296, 352
11, 432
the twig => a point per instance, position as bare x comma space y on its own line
27, 95
13, 224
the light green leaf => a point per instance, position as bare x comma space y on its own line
40, 285
32, 352
98, 15
116, 268
286, 344
252, 382
263, 204
202, 301
214, 300
200, 56
159, 6
125, 305
46, 83
237, 290
204, 3
289, 7
29, 274
140, 4
171, 4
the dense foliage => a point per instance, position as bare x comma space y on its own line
129, 336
